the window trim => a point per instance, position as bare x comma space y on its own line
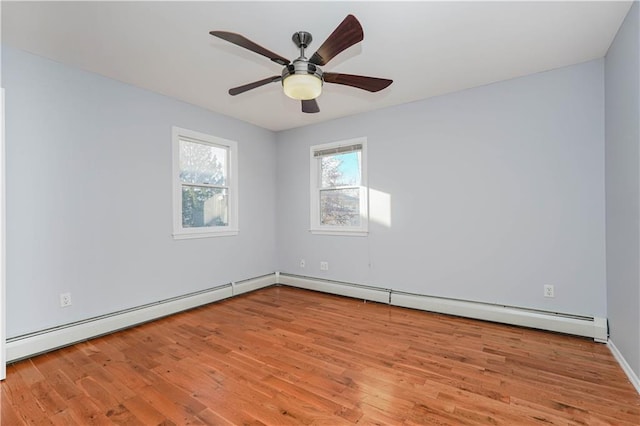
314, 194
179, 232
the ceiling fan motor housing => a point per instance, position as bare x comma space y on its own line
301, 67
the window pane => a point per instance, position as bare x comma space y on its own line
340, 207
203, 206
201, 163
340, 169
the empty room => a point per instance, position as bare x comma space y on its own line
328, 212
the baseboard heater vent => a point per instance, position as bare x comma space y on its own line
31, 344
246, 286
356, 291
595, 328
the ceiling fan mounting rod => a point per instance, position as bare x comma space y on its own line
302, 39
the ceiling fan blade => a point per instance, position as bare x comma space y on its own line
310, 106
242, 41
249, 86
372, 84
348, 33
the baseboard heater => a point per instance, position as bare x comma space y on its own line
340, 288
595, 328
28, 345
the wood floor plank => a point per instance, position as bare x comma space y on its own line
144, 412
286, 356
8, 414
85, 412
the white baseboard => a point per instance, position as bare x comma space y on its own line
343, 289
595, 328
35, 343
633, 378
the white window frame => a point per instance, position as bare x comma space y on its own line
315, 188
179, 232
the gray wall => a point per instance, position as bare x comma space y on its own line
89, 197
494, 192
622, 87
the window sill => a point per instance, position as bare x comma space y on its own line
339, 232
191, 235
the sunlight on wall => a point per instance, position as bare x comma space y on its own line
380, 207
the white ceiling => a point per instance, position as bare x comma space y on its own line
427, 48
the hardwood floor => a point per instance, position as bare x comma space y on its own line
287, 356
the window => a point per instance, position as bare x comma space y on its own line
205, 194
339, 188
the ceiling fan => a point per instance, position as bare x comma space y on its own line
302, 78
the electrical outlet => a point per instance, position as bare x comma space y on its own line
65, 300
324, 266
549, 291
302, 263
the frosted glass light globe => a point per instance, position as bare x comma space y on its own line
302, 86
